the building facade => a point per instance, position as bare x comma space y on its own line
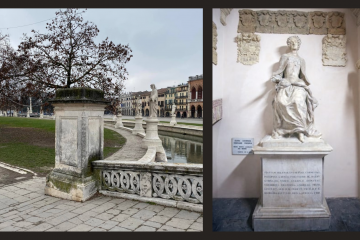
195, 96
169, 100
126, 104
181, 99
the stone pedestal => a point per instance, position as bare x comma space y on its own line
15, 114
138, 126
41, 115
292, 185
79, 140
152, 139
119, 121
28, 114
173, 120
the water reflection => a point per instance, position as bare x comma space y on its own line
182, 148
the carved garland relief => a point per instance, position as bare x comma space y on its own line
293, 22
318, 23
247, 21
214, 55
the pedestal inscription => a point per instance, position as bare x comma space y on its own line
292, 182
292, 185
68, 141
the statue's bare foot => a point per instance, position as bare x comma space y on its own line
301, 137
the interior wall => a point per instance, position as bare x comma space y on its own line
217, 80
247, 110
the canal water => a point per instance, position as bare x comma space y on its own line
182, 148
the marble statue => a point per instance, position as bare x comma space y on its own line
294, 103
173, 109
153, 101
138, 106
118, 108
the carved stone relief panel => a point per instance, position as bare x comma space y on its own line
247, 21
248, 48
265, 21
224, 13
282, 19
292, 22
318, 23
300, 24
334, 50
214, 53
217, 110
336, 23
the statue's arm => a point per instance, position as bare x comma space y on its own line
278, 75
302, 72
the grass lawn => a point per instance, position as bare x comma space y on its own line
30, 143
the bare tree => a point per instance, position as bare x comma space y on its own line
67, 56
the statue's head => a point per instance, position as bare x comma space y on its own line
294, 42
152, 86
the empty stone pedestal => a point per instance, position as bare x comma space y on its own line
138, 126
119, 121
152, 139
173, 120
79, 140
292, 185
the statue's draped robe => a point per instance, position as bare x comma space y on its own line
153, 103
293, 105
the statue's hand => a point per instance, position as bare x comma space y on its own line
284, 83
276, 78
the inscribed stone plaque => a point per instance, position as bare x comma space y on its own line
248, 48
242, 145
217, 110
94, 136
68, 141
334, 50
292, 182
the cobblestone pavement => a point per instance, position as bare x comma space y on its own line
25, 207
132, 150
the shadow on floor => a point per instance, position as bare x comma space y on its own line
235, 214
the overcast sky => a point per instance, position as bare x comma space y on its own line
167, 44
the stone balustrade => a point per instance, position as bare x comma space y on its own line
172, 182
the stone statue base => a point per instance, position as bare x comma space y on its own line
292, 185
119, 121
41, 115
27, 115
138, 126
79, 140
70, 187
173, 120
15, 114
152, 139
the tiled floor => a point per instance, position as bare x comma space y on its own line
25, 207
234, 214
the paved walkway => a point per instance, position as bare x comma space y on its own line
25, 207
132, 150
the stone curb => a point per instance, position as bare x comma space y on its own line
163, 202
